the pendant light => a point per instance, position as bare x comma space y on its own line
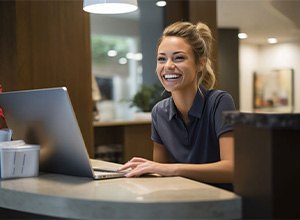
109, 6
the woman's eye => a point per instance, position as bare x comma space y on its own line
179, 58
161, 59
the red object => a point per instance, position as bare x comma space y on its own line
2, 120
1, 112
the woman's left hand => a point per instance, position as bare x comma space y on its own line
140, 166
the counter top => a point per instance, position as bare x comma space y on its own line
144, 197
120, 122
271, 120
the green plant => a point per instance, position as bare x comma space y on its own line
148, 96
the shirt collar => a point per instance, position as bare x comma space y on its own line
173, 109
197, 106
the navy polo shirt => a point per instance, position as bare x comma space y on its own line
197, 142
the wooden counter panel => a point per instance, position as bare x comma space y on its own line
134, 136
137, 142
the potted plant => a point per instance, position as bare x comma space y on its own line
147, 96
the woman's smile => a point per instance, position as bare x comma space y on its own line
176, 67
171, 77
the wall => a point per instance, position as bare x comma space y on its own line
47, 44
263, 59
114, 25
151, 27
228, 57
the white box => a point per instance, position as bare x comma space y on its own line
5, 134
19, 160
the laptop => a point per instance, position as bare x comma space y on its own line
46, 117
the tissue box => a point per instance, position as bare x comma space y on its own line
19, 160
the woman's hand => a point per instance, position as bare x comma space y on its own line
140, 166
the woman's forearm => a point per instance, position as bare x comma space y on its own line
218, 172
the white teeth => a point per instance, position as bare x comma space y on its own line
171, 76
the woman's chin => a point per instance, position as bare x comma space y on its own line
169, 87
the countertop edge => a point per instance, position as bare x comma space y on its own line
270, 120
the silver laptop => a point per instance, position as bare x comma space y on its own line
46, 117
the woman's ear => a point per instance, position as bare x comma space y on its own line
202, 63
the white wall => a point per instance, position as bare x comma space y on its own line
264, 59
248, 61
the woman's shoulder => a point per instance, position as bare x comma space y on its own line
162, 108
216, 94
219, 99
162, 104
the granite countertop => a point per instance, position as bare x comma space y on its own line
271, 120
130, 198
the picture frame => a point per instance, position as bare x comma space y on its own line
274, 91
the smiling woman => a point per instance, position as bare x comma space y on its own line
190, 138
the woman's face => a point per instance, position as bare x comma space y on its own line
176, 67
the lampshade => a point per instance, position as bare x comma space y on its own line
109, 6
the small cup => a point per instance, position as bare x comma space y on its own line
5, 134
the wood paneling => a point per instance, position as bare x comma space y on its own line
137, 142
135, 138
228, 51
47, 44
206, 12
176, 10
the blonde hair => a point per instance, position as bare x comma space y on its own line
200, 39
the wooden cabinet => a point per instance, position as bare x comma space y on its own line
132, 137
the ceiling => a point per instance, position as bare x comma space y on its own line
261, 19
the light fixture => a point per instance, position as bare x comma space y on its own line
112, 53
122, 60
109, 6
134, 56
242, 36
272, 40
161, 3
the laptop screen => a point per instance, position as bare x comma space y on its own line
46, 117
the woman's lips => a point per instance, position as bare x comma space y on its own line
170, 77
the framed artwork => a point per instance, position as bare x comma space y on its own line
274, 91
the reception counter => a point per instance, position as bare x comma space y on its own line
267, 164
153, 197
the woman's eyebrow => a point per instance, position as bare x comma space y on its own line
177, 52
174, 53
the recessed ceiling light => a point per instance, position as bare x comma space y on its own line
272, 40
134, 56
130, 55
138, 56
112, 53
161, 3
122, 60
242, 36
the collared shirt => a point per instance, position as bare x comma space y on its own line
198, 141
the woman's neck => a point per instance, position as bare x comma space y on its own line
184, 101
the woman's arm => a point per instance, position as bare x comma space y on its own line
218, 172
161, 154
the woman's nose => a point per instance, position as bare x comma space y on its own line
170, 64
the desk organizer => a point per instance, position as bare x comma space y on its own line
18, 159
